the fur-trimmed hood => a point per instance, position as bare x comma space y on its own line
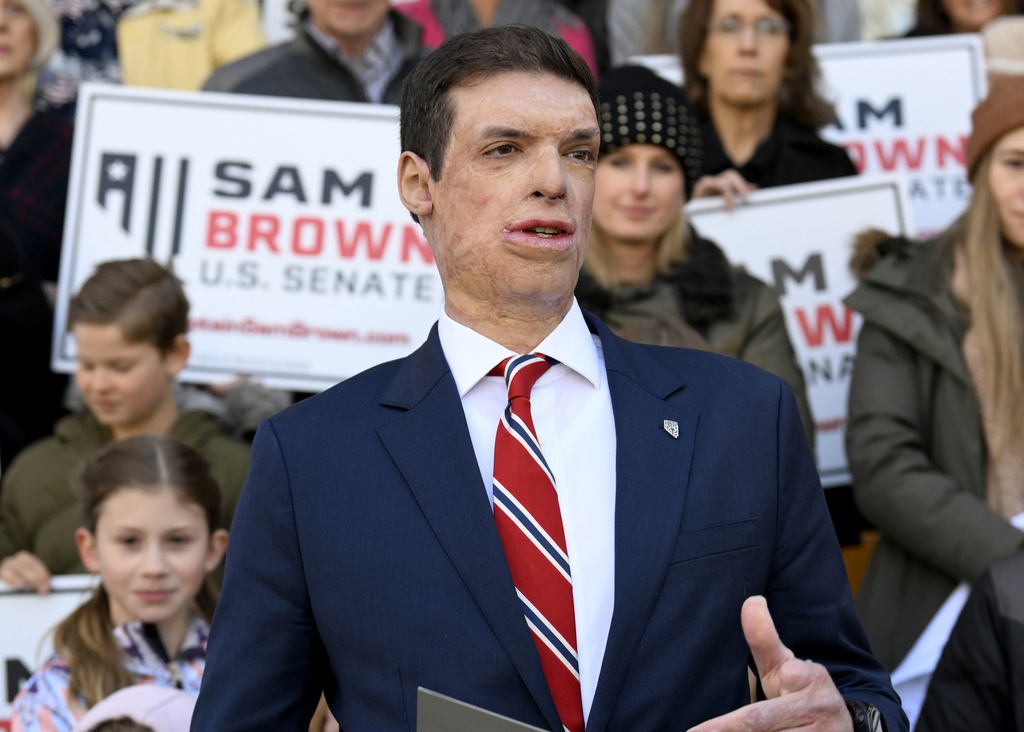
871, 245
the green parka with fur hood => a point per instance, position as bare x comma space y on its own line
914, 442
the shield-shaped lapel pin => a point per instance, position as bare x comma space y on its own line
672, 427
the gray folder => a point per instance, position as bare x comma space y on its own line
439, 713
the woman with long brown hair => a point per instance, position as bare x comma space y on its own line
937, 398
150, 512
752, 77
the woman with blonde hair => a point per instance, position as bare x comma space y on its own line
35, 146
647, 272
937, 398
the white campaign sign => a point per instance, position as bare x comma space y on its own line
797, 239
903, 107
26, 624
281, 217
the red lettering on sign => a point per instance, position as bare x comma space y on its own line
317, 246
814, 333
221, 230
891, 158
265, 228
901, 153
946, 149
308, 236
364, 233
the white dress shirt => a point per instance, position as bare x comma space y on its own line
572, 412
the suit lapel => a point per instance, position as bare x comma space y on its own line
430, 444
651, 479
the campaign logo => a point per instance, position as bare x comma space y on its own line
117, 182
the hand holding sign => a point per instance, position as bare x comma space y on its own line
800, 694
25, 570
729, 184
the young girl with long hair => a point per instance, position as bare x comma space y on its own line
150, 512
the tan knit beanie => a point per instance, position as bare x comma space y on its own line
1003, 39
1000, 112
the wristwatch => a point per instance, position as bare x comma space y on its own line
866, 717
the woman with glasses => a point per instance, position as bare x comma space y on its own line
750, 74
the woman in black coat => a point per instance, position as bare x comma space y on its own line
752, 77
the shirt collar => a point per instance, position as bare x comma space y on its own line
471, 356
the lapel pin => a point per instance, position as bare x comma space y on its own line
672, 427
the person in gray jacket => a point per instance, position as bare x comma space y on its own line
937, 399
338, 53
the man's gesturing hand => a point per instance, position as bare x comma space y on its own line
800, 694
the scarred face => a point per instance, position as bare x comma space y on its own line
509, 218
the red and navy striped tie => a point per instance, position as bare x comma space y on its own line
530, 525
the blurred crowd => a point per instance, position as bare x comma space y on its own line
936, 404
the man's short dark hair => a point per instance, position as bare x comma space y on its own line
427, 111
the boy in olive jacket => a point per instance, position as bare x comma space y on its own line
129, 321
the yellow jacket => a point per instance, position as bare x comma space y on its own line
175, 44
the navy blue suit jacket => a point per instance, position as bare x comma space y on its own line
364, 558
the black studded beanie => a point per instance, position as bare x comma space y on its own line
638, 106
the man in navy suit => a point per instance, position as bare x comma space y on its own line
364, 559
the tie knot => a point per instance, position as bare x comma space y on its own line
522, 372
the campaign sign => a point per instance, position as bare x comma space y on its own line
901, 107
797, 239
281, 217
905, 107
27, 621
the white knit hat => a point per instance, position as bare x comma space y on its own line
162, 708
